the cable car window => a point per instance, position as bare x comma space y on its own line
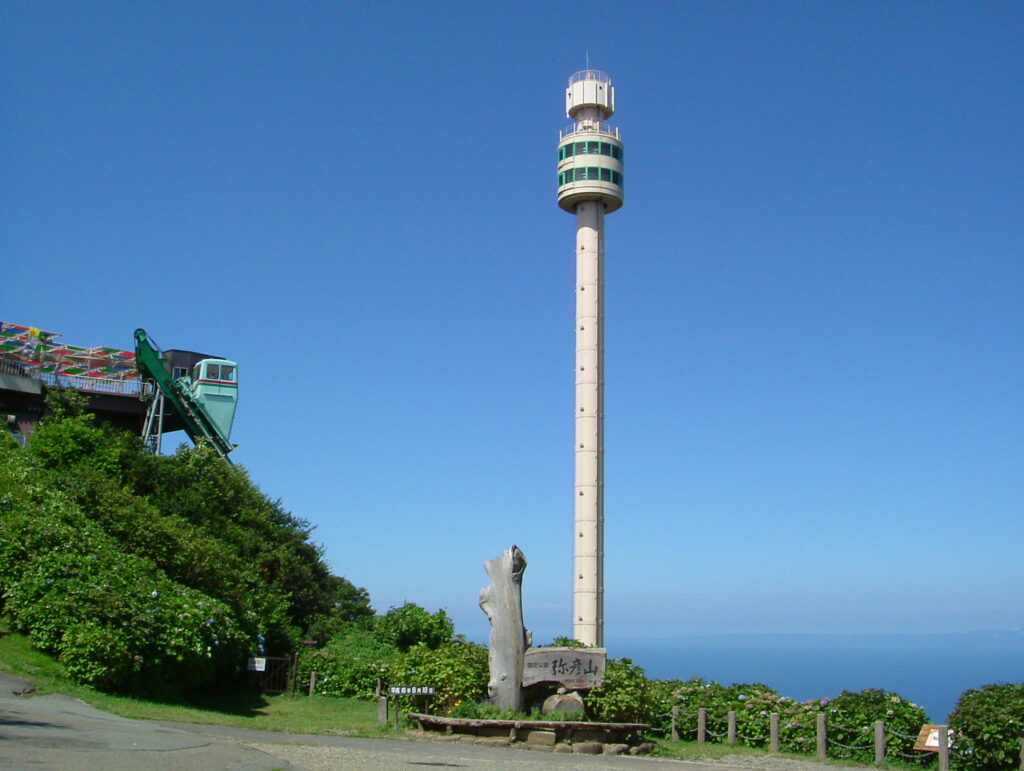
227, 373
213, 371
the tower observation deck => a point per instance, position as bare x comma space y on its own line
590, 184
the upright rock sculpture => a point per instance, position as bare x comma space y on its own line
502, 601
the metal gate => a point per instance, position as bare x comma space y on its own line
278, 675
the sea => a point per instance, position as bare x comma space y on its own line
931, 670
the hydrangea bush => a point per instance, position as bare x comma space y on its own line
349, 665
851, 720
113, 619
987, 725
850, 717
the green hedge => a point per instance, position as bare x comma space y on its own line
987, 725
113, 619
152, 573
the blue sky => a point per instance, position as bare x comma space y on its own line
814, 332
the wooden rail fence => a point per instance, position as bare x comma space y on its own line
822, 740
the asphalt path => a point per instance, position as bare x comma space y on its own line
54, 731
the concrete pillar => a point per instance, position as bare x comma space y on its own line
588, 592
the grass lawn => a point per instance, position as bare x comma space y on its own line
296, 714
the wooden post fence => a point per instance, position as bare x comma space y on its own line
702, 725
943, 748
821, 734
312, 682
675, 723
879, 742
774, 732
731, 736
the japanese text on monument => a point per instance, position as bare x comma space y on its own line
572, 667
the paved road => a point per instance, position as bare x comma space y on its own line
60, 732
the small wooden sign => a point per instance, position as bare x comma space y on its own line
412, 690
928, 738
572, 667
257, 665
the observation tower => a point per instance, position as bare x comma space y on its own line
589, 185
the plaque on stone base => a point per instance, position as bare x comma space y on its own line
572, 667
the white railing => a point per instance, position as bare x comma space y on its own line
603, 77
9, 367
99, 385
590, 127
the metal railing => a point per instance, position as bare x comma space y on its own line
590, 127
99, 385
582, 75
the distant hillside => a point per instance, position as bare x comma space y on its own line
146, 573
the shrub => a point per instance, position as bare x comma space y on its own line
752, 702
625, 696
987, 724
113, 619
96, 655
350, 664
458, 670
411, 625
851, 719
190, 518
484, 710
851, 716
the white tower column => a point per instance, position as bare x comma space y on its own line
588, 593
590, 184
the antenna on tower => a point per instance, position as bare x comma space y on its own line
588, 59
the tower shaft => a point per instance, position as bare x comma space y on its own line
588, 583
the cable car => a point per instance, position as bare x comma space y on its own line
215, 387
